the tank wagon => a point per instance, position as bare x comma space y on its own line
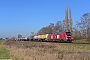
60, 37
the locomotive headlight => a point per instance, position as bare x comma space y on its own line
66, 38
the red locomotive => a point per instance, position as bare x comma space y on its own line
62, 37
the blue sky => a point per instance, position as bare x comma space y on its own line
25, 16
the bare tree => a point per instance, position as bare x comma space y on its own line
88, 34
68, 19
42, 31
19, 36
32, 33
51, 29
58, 27
76, 34
47, 30
63, 25
51, 26
84, 25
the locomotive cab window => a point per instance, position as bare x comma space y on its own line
68, 33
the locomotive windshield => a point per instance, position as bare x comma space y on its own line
59, 32
68, 33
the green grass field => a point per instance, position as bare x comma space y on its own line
76, 46
5, 54
81, 41
85, 46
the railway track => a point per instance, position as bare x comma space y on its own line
61, 42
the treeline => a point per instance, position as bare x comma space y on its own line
80, 31
52, 28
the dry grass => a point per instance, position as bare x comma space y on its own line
24, 50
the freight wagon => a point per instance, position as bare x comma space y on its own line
40, 37
60, 37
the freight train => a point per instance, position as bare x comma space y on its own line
59, 37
